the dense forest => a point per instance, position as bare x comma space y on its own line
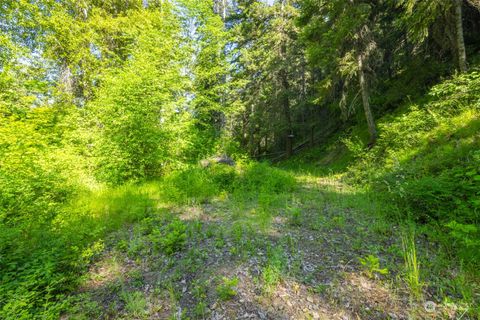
240, 159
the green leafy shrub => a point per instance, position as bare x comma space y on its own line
467, 238
371, 266
41, 266
171, 238
226, 290
37, 178
223, 176
195, 184
189, 185
138, 134
263, 178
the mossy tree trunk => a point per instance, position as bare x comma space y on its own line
366, 103
462, 56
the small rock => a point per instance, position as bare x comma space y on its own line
308, 267
429, 306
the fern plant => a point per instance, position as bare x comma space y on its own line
226, 290
371, 265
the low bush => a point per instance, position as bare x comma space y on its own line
171, 238
195, 184
263, 178
189, 185
223, 176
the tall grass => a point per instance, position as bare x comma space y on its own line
412, 265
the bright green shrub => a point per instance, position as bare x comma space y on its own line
37, 177
170, 238
198, 184
223, 176
33, 177
191, 184
137, 114
41, 264
261, 177
467, 239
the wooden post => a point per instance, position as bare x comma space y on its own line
312, 138
289, 145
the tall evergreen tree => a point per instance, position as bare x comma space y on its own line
444, 17
271, 65
341, 37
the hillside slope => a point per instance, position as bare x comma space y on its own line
425, 167
427, 154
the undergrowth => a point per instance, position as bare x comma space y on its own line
427, 161
43, 264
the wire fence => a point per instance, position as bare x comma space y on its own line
281, 155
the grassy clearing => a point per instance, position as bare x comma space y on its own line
303, 252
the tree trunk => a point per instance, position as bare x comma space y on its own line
462, 56
251, 132
287, 114
286, 87
312, 136
289, 146
266, 144
366, 104
224, 10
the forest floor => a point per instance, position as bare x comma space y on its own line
315, 253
